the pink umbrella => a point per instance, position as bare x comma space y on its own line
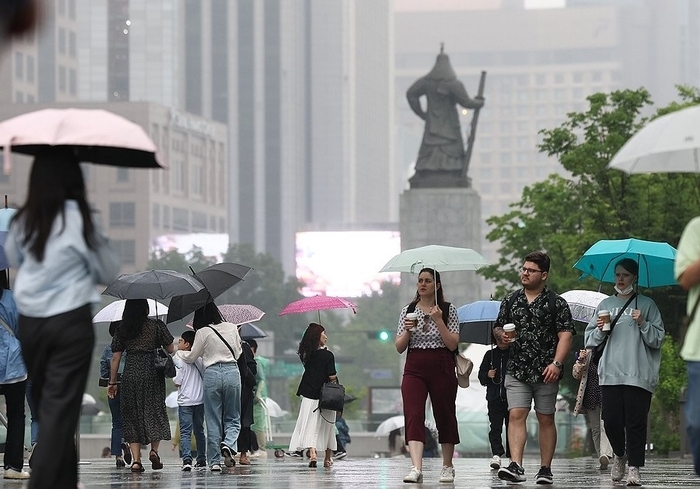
97, 136
239, 313
317, 303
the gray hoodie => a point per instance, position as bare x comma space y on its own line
633, 353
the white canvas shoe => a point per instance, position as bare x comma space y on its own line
633, 478
447, 474
495, 462
414, 475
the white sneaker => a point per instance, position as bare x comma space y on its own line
414, 475
447, 474
216, 468
604, 462
495, 462
16, 474
633, 477
618, 468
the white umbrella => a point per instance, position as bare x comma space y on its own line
273, 409
670, 143
583, 303
115, 310
389, 425
171, 400
441, 258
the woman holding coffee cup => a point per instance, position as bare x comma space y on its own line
628, 369
430, 337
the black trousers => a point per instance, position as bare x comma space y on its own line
625, 411
57, 351
498, 415
14, 443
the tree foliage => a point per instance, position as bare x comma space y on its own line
568, 212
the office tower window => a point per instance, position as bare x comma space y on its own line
72, 45
30, 99
62, 7
541, 79
61, 40
71, 9
30, 69
19, 66
181, 219
155, 216
126, 250
122, 214
19, 97
559, 78
72, 82
122, 174
199, 222
166, 217
62, 79
212, 223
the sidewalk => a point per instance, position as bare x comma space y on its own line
359, 473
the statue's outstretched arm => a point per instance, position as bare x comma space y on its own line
413, 95
462, 98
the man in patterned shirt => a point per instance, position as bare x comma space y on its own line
544, 330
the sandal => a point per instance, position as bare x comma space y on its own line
137, 467
312, 464
156, 464
328, 463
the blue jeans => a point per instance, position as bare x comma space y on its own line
222, 408
692, 411
115, 409
192, 420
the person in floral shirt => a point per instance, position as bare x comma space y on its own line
544, 331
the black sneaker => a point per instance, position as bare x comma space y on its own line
298, 453
187, 465
201, 464
544, 475
513, 473
340, 455
228, 454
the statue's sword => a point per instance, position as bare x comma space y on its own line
472, 130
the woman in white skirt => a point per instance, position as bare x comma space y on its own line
315, 428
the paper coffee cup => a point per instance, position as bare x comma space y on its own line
509, 331
605, 317
413, 317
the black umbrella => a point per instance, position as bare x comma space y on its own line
250, 331
153, 284
216, 279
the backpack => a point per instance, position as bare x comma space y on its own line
552, 308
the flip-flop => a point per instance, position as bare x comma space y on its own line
156, 464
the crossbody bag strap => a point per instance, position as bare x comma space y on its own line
225, 342
690, 317
614, 321
9, 330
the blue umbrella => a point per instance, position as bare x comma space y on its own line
476, 321
655, 261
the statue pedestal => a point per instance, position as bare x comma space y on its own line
442, 216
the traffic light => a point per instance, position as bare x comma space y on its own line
383, 335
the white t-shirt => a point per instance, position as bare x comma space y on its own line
189, 378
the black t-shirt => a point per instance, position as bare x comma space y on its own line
319, 366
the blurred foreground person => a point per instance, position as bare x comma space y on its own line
60, 254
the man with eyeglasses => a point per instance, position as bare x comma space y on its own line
544, 333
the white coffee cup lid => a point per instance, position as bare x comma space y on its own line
509, 327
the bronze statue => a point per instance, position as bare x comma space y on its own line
442, 159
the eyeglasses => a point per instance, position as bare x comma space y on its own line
528, 271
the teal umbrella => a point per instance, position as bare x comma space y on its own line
655, 261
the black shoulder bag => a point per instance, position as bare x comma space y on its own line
598, 352
164, 363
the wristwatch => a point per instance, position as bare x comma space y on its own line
558, 364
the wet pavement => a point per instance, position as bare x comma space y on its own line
359, 473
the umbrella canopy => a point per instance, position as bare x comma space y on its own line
441, 258
5, 218
273, 409
655, 260
216, 279
317, 303
389, 425
115, 310
250, 331
239, 314
153, 284
583, 303
669, 143
94, 135
476, 321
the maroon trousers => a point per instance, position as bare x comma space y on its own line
430, 372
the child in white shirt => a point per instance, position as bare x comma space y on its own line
190, 391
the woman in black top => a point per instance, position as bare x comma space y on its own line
315, 428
